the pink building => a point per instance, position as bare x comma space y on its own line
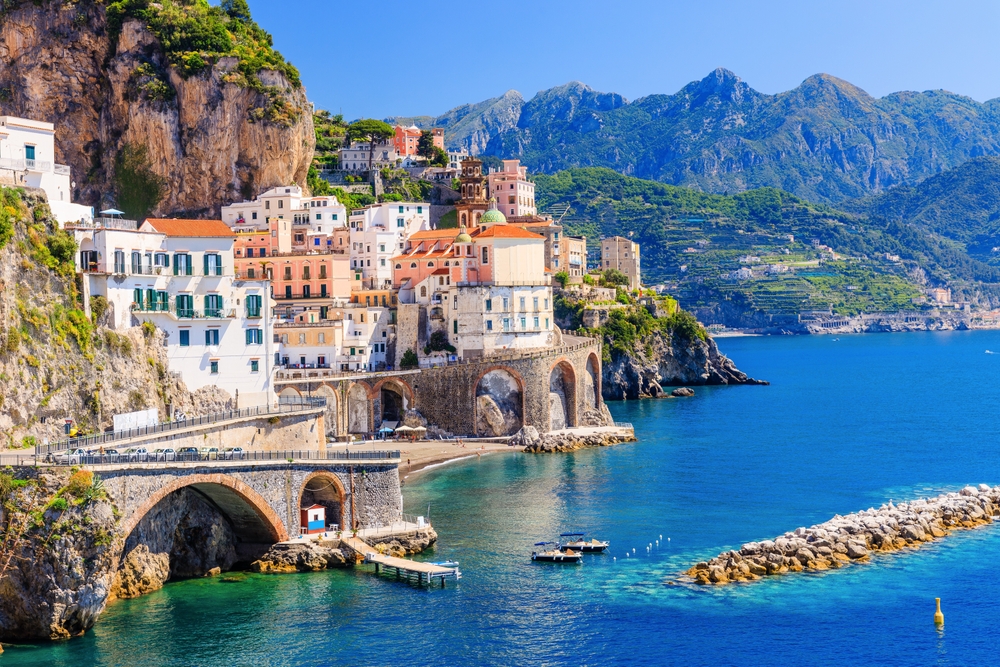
425, 253
513, 192
406, 140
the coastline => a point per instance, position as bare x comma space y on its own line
423, 455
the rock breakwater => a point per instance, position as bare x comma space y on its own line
569, 441
855, 537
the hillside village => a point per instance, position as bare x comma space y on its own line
289, 294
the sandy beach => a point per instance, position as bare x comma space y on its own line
423, 454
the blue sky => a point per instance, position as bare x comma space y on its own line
389, 57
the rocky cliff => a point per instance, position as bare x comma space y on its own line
55, 362
208, 128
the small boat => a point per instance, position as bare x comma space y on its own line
447, 563
556, 555
577, 543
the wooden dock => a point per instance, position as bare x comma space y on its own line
412, 571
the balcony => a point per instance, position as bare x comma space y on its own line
62, 169
205, 314
107, 223
25, 165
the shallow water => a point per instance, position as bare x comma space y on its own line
847, 424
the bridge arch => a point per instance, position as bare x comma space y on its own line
499, 402
592, 382
359, 399
395, 396
325, 488
253, 519
562, 395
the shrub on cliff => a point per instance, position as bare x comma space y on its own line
409, 360
683, 326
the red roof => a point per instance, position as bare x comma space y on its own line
506, 232
448, 233
441, 272
190, 228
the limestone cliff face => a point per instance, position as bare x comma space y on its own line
672, 363
213, 141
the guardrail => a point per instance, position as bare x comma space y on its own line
303, 404
165, 457
624, 425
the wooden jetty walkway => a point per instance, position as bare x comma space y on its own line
421, 573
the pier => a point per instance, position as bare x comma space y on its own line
412, 571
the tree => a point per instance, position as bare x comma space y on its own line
614, 277
370, 130
409, 360
237, 9
139, 188
425, 146
562, 277
440, 157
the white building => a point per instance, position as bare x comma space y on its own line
378, 233
179, 275
514, 193
27, 158
455, 157
352, 338
354, 158
287, 202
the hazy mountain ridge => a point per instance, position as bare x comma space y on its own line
825, 140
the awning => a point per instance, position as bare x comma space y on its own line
112, 211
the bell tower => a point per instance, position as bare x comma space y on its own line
473, 203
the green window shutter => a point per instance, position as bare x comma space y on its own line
137, 296
205, 260
190, 265
249, 336
177, 259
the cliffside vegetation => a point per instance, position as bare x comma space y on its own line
194, 33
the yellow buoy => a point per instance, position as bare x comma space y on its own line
938, 616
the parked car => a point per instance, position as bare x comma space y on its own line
71, 456
136, 454
234, 453
209, 453
167, 454
188, 454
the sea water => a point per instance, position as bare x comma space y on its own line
846, 424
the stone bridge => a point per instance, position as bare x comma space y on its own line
260, 500
547, 388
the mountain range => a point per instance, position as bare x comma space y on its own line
826, 140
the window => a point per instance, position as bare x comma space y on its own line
546, 323
454, 326
400, 209
249, 252
420, 209
486, 256
281, 203
136, 262
253, 216
506, 324
211, 337
506, 304
423, 290
253, 305
322, 290
183, 266
284, 339
29, 154
305, 272
302, 339
213, 367
288, 273
263, 252
255, 336
534, 303
185, 338
322, 337
119, 261
399, 266
489, 325
413, 265
185, 305
322, 271
381, 247
319, 216
161, 301
546, 304
254, 366
267, 205
522, 303
251, 273
536, 322
213, 305
213, 264
161, 259
381, 262
400, 222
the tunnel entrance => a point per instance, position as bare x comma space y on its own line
326, 490
392, 405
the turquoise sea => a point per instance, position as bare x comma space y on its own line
846, 424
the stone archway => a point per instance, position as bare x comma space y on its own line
395, 397
289, 392
499, 403
191, 526
358, 409
562, 396
592, 383
330, 415
325, 488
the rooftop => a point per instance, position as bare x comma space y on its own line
190, 228
505, 232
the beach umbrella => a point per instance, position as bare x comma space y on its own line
112, 211
404, 429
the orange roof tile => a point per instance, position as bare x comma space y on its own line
506, 232
190, 228
434, 234
441, 272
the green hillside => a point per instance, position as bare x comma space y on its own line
802, 256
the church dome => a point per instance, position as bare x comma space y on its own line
493, 215
463, 237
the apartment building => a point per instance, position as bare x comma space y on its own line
618, 252
354, 158
353, 338
28, 159
513, 192
378, 232
287, 202
180, 275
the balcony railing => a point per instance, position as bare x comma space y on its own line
25, 165
107, 223
62, 169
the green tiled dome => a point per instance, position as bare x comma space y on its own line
493, 216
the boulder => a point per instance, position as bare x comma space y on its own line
856, 550
299, 557
682, 392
